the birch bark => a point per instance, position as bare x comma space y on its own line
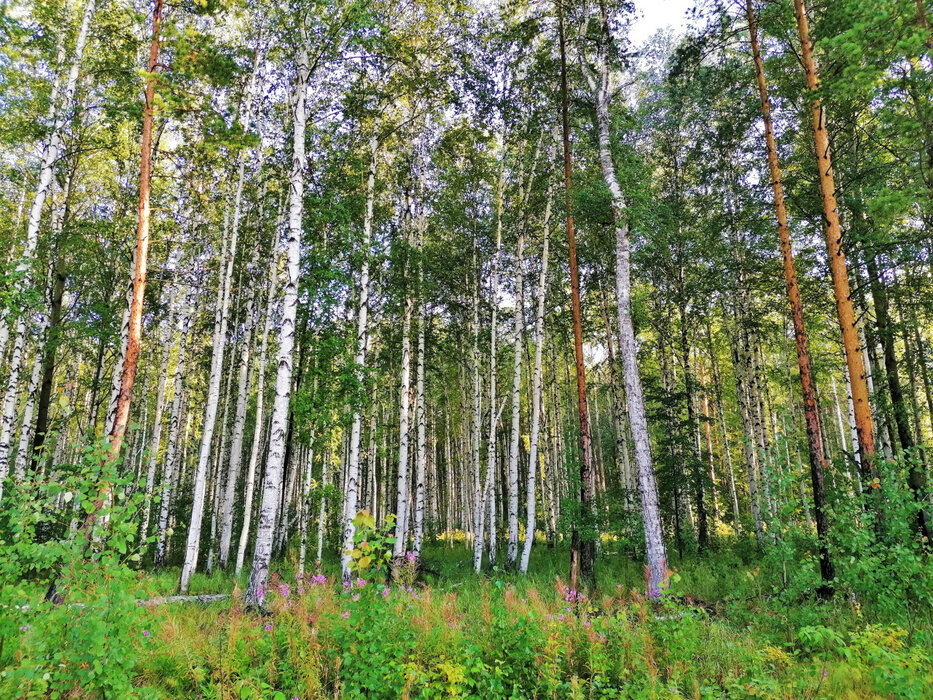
172, 448
599, 83
536, 393
402, 502
359, 362
421, 446
192, 547
272, 483
250, 481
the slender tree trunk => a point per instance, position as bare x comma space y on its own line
654, 537
476, 432
582, 549
818, 464
837, 260
272, 483
536, 392
308, 461
492, 443
250, 481
403, 486
22, 456
515, 435
170, 469
239, 427
141, 256
322, 510
156, 431
359, 366
421, 453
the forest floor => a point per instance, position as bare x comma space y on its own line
726, 628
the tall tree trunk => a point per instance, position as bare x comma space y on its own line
156, 430
308, 462
536, 391
359, 366
515, 434
582, 549
421, 447
492, 443
599, 83
250, 480
837, 259
818, 464
476, 432
239, 427
403, 505
272, 483
225, 284
170, 470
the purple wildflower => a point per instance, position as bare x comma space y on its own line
268, 628
346, 614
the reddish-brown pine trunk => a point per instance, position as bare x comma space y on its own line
808, 388
139, 280
139, 287
583, 549
837, 258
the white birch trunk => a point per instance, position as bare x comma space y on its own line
322, 509
519, 320
306, 506
239, 426
491, 454
170, 470
421, 448
599, 83
217, 361
193, 544
250, 481
351, 483
156, 435
403, 506
272, 483
25, 434
536, 394
479, 512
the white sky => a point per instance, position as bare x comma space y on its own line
653, 15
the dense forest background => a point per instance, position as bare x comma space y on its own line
313, 291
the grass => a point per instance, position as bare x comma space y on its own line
503, 635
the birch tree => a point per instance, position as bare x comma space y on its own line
272, 483
599, 82
359, 365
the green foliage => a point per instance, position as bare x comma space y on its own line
505, 639
373, 546
94, 638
